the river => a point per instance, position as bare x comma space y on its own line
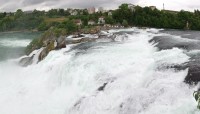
12, 45
132, 75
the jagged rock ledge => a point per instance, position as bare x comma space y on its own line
49, 41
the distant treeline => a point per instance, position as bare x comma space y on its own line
158, 18
61, 18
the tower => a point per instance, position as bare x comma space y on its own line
163, 6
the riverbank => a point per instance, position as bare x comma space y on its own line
21, 31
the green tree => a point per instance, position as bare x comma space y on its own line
109, 20
19, 13
70, 26
42, 27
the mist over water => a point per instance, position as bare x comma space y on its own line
131, 71
12, 45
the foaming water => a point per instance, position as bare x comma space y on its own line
15, 42
12, 45
67, 81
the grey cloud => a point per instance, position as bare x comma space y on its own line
13, 5
33, 2
96, 3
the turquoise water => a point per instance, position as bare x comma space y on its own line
12, 45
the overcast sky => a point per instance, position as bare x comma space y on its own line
13, 5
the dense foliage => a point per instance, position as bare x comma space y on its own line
157, 18
60, 18
57, 30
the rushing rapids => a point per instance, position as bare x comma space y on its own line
131, 75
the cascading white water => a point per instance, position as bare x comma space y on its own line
67, 81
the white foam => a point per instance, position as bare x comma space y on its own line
153, 30
66, 82
15, 42
118, 30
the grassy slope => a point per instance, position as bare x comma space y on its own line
59, 19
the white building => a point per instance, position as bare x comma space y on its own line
74, 12
78, 22
152, 7
101, 20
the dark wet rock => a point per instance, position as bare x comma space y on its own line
61, 43
26, 61
83, 46
43, 54
111, 37
78, 35
169, 42
78, 103
193, 66
121, 105
101, 88
52, 44
179, 67
193, 76
183, 33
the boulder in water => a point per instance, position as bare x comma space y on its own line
50, 46
102, 87
61, 42
26, 61
193, 76
43, 54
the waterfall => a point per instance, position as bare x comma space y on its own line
126, 76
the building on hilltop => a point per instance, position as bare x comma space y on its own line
78, 22
101, 20
91, 10
73, 12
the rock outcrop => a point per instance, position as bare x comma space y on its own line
49, 41
43, 54
26, 61
60, 43
193, 76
